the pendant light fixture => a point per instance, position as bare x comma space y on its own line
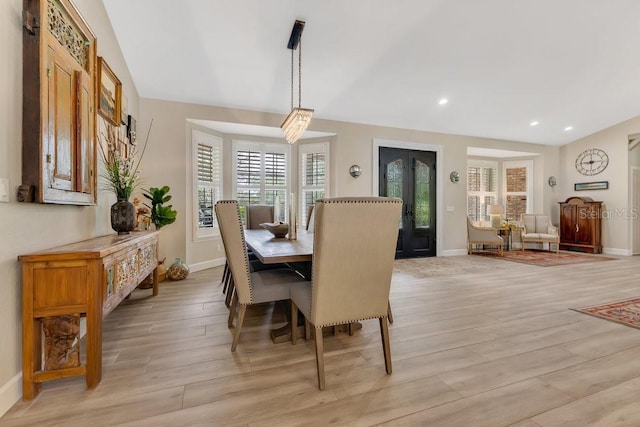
299, 118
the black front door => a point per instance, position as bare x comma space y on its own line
411, 176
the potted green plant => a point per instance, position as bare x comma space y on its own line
161, 214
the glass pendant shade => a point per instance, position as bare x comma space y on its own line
296, 123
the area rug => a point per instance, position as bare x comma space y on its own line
443, 266
626, 312
545, 258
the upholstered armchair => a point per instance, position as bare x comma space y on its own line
482, 236
538, 228
353, 252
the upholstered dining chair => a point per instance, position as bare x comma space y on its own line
250, 287
255, 215
353, 253
258, 214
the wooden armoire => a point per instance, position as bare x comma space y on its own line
580, 225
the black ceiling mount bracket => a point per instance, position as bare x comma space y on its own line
296, 33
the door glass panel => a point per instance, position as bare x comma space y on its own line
422, 214
395, 177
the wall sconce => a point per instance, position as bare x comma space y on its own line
454, 176
355, 171
552, 181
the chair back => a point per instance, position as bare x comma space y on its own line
470, 229
536, 223
311, 218
235, 247
258, 214
353, 251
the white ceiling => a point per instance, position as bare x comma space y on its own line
501, 63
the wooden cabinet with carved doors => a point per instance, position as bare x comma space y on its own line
59, 97
580, 225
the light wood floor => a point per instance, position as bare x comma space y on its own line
495, 347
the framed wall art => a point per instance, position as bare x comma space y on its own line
583, 186
131, 129
110, 93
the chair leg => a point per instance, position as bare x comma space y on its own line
319, 357
386, 347
307, 329
294, 323
230, 290
389, 313
232, 310
350, 329
223, 281
236, 334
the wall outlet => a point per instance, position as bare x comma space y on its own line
4, 190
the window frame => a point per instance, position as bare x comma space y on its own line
509, 164
303, 150
483, 164
263, 148
216, 143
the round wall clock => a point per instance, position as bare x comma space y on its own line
592, 161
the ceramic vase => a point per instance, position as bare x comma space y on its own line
123, 216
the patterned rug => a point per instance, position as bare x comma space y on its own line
626, 312
443, 266
545, 258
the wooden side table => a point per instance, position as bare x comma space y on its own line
505, 232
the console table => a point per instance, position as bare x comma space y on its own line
59, 285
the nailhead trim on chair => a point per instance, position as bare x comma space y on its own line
351, 321
244, 245
360, 200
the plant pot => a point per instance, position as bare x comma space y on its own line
123, 216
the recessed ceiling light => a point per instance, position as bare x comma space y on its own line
568, 128
443, 101
534, 123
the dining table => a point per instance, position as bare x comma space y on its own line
271, 250
297, 253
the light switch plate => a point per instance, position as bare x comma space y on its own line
4, 190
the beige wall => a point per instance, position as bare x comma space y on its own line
29, 227
617, 221
353, 144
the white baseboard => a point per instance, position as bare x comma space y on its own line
207, 264
617, 251
10, 393
454, 252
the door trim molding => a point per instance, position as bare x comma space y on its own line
418, 146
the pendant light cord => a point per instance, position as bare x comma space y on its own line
299, 75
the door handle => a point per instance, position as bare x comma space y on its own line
577, 228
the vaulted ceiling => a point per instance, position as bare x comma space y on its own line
573, 66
